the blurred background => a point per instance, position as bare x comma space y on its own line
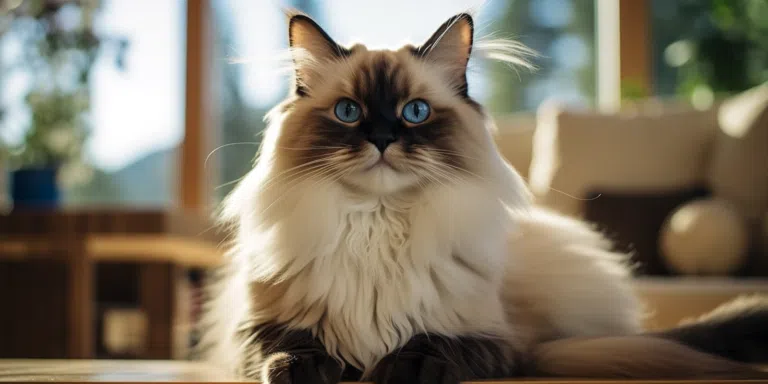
123, 123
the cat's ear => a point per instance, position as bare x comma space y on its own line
311, 46
450, 47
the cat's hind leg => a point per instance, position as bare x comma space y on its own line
563, 280
737, 330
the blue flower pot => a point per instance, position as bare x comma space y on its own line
35, 188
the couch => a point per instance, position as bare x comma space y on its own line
629, 172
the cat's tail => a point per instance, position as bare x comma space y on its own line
718, 345
737, 330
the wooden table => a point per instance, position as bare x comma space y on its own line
74, 371
51, 256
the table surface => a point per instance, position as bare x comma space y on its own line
78, 371
111, 235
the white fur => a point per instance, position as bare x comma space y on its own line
565, 274
381, 268
373, 262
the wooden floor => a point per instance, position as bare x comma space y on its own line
78, 371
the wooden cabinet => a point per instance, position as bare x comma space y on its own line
65, 275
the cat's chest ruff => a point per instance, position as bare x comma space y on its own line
392, 275
383, 271
376, 292
374, 235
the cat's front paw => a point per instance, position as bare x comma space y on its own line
415, 368
310, 368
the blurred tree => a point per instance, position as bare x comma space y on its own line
507, 90
59, 46
563, 32
583, 26
706, 49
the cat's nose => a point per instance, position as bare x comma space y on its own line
382, 138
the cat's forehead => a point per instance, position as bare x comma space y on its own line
381, 76
362, 48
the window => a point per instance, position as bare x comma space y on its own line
136, 113
255, 31
563, 32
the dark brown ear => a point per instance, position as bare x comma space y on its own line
450, 46
313, 46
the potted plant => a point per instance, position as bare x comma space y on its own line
51, 153
60, 48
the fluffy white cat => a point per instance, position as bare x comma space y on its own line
381, 236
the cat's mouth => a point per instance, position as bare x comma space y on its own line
387, 160
382, 162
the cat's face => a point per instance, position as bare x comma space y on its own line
380, 121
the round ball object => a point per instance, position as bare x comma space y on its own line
704, 237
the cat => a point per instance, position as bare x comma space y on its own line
382, 236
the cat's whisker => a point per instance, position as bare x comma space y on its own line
316, 156
319, 170
314, 147
423, 157
449, 152
440, 168
449, 176
207, 158
309, 164
308, 173
461, 169
435, 174
325, 176
599, 195
294, 185
228, 183
341, 175
296, 172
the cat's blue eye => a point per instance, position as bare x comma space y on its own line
416, 111
347, 111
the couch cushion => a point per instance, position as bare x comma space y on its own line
739, 164
647, 150
640, 235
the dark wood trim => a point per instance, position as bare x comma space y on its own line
80, 295
158, 302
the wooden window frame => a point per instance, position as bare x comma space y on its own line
200, 126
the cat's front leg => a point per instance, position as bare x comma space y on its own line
436, 359
280, 355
